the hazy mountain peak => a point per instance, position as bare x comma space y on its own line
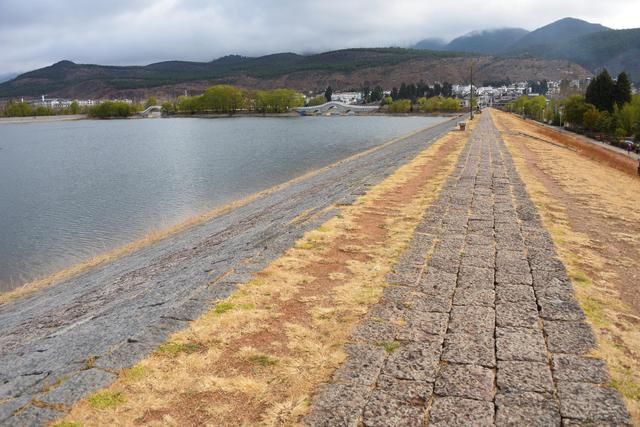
8, 76
490, 41
64, 63
557, 31
431, 43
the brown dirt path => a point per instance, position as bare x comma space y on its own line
257, 357
589, 199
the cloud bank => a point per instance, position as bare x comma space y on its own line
39, 32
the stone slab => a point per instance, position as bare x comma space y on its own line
468, 381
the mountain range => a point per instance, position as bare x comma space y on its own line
568, 48
593, 46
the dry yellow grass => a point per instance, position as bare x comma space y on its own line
157, 235
591, 210
258, 356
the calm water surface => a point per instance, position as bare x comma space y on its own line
72, 190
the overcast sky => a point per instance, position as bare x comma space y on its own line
35, 33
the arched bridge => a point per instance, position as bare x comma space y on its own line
336, 108
150, 110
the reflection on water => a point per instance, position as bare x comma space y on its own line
71, 190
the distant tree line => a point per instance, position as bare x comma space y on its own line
607, 111
497, 83
369, 94
532, 107
229, 99
605, 94
422, 97
24, 109
113, 109
423, 104
413, 91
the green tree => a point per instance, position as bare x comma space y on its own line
278, 100
590, 118
411, 92
628, 115
150, 102
168, 107
606, 123
535, 106
19, 109
74, 108
328, 93
229, 99
402, 92
400, 106
221, 99
636, 131
450, 105
551, 113
438, 103
366, 93
574, 108
437, 89
43, 111
316, 100
187, 104
601, 92
447, 89
377, 94
622, 92
112, 109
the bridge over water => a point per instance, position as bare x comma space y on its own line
151, 110
336, 108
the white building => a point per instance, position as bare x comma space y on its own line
347, 97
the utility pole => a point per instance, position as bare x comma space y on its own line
471, 94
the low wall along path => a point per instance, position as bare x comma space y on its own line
481, 326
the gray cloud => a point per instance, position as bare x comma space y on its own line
39, 32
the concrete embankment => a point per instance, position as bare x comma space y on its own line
66, 340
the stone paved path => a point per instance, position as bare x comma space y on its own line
481, 326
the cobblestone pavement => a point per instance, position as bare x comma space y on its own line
481, 326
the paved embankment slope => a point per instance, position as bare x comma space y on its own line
76, 333
483, 320
41, 119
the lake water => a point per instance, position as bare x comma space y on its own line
72, 190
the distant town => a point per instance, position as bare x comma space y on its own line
489, 94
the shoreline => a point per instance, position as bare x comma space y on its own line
155, 236
295, 114
42, 119
77, 117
